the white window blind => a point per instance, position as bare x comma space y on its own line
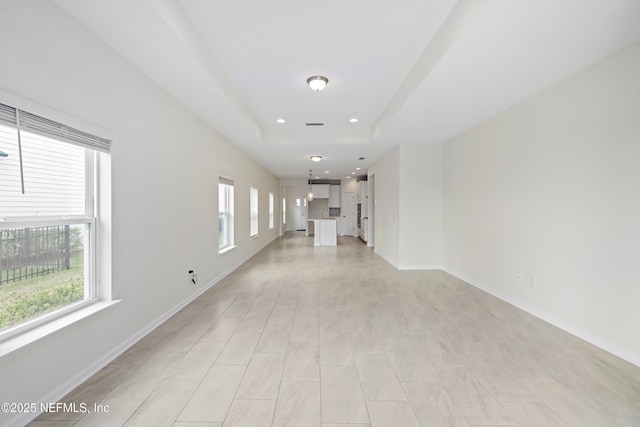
42, 126
44, 171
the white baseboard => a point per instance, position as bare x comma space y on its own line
565, 326
419, 267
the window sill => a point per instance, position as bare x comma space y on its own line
36, 334
227, 249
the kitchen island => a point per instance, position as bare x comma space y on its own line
325, 232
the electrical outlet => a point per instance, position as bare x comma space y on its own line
193, 275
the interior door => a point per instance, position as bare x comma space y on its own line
348, 212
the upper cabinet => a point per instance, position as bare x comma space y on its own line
334, 196
320, 191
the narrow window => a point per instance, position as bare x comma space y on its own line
225, 214
253, 208
271, 211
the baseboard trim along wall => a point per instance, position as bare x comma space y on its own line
567, 327
419, 267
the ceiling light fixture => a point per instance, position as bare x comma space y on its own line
317, 83
353, 120
280, 120
316, 158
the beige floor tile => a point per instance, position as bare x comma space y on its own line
336, 351
391, 414
305, 326
197, 362
222, 329
254, 413
569, 406
163, 406
302, 362
342, 400
262, 378
195, 424
146, 378
408, 362
473, 400
239, 349
534, 414
212, 399
298, 404
113, 412
433, 406
377, 377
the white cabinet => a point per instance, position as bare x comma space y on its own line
363, 198
334, 196
320, 191
364, 230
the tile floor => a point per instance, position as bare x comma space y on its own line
304, 336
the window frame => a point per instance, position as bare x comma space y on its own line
43, 324
254, 212
230, 220
272, 213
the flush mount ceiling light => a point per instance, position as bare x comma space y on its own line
316, 158
317, 83
353, 120
280, 121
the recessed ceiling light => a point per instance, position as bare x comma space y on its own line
348, 177
280, 120
317, 83
326, 171
353, 173
358, 169
317, 177
353, 120
316, 158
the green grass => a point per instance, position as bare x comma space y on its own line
26, 299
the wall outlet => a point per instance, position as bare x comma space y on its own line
193, 275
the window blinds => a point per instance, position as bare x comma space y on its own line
52, 129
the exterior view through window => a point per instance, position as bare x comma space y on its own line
47, 222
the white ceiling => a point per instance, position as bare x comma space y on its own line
415, 71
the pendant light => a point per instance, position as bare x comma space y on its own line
310, 194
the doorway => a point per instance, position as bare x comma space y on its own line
348, 211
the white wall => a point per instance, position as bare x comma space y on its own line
387, 204
165, 167
550, 188
408, 206
420, 188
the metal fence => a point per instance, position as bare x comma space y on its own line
33, 251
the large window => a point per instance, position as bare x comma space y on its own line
271, 211
47, 218
253, 208
284, 210
225, 214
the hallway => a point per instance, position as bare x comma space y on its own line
335, 336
